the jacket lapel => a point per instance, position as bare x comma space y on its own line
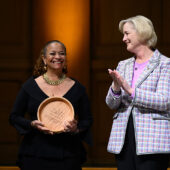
129, 71
153, 62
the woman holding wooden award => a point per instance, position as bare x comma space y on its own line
49, 144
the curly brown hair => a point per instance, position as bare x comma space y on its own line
40, 67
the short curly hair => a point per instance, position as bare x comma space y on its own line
39, 67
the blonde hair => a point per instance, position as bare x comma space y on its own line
143, 27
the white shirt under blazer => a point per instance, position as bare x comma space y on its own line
150, 107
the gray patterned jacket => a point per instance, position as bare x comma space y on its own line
150, 107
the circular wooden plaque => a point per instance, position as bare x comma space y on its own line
54, 112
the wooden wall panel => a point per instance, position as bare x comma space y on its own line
15, 66
165, 21
6, 101
102, 118
11, 16
14, 33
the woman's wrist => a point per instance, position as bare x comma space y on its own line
131, 91
115, 87
116, 92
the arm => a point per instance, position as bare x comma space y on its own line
114, 97
112, 100
16, 117
84, 117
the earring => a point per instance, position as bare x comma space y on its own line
45, 67
65, 69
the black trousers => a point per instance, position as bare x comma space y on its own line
128, 160
33, 163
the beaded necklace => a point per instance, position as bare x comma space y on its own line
54, 83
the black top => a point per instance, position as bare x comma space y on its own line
58, 146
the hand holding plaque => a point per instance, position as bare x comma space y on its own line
55, 112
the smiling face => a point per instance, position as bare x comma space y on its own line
55, 57
130, 37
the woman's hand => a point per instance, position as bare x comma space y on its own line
71, 126
40, 126
119, 81
116, 86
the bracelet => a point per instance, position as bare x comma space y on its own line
116, 92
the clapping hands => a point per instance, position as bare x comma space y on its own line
119, 82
